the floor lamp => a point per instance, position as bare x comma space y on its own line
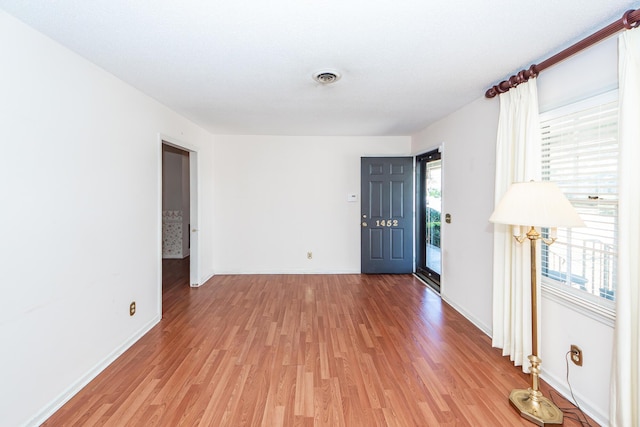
535, 204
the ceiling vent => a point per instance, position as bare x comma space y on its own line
326, 77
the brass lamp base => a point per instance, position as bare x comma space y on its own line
535, 407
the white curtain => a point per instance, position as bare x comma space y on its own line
517, 160
625, 383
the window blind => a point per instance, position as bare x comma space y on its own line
580, 154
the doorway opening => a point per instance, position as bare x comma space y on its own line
429, 211
177, 247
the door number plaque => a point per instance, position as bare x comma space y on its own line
386, 223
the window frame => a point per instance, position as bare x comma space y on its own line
593, 306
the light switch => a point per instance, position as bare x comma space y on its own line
352, 197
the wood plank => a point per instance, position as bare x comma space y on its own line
303, 350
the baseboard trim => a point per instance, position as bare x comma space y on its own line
203, 280
287, 272
587, 407
484, 328
72, 390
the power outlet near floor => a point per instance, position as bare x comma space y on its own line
309, 255
132, 308
576, 354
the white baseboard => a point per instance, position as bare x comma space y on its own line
72, 390
484, 328
203, 280
292, 272
560, 385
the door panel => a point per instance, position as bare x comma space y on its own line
397, 243
387, 215
376, 245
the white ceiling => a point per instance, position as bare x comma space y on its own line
246, 66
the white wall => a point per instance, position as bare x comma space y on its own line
589, 73
467, 138
469, 172
279, 197
80, 174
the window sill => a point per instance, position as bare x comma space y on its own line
570, 298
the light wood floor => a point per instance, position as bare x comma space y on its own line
303, 350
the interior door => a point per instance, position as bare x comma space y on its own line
194, 245
387, 215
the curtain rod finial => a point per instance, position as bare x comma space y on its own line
491, 93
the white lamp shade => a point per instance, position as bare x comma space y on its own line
539, 204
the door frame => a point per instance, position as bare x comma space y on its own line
194, 250
420, 218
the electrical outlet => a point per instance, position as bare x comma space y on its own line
132, 308
576, 354
309, 255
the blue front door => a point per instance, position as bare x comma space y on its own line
386, 215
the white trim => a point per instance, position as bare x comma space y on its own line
583, 104
205, 279
194, 194
177, 143
476, 322
194, 215
560, 385
159, 227
286, 272
580, 302
82, 382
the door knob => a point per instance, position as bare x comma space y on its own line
364, 224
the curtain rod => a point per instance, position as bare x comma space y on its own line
630, 19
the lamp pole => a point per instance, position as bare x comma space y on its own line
531, 404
